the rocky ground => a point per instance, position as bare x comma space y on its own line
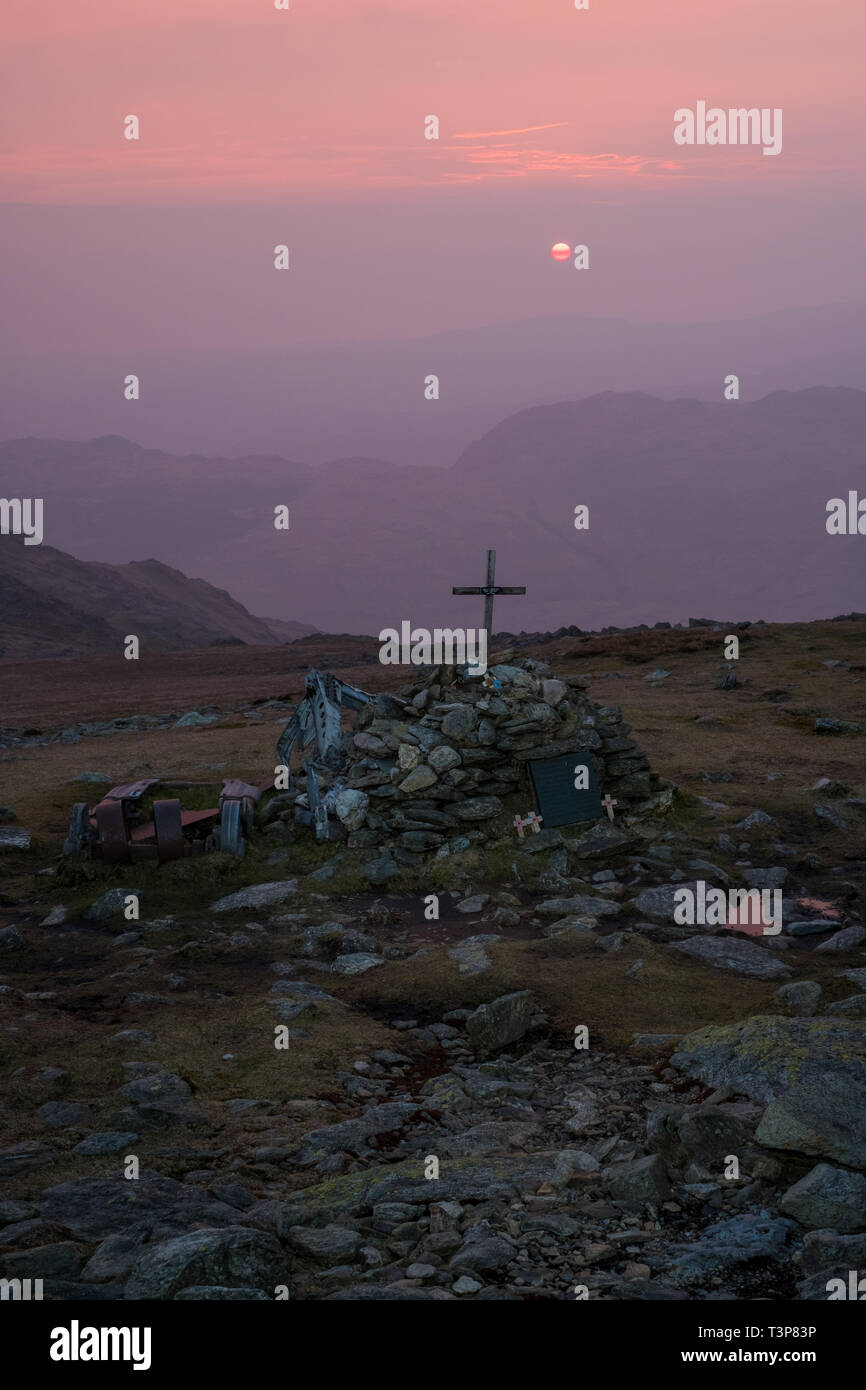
552, 1091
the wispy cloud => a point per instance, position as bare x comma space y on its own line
521, 130
239, 170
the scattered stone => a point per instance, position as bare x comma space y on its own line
579, 907
574, 928
10, 940
109, 1142
55, 918
813, 928
356, 963
828, 1197
844, 940
658, 904
193, 720
732, 953
855, 1005
258, 895
109, 904
11, 837
474, 904
465, 1284
801, 997
754, 820
640, 1180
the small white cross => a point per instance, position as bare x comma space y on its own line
533, 820
608, 803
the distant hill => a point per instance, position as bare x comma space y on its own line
695, 508
319, 401
53, 605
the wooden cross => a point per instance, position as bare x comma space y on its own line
608, 803
488, 590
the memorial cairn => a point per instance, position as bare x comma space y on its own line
455, 760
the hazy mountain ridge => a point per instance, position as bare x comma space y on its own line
323, 400
710, 506
54, 605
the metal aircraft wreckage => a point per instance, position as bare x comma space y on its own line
113, 829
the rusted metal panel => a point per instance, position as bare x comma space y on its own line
110, 817
131, 791
140, 853
168, 827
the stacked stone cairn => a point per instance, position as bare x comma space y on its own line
442, 766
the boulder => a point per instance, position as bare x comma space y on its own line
356, 963
727, 1246
492, 1026
657, 904
92, 1208
638, 1180
325, 1245
800, 997
232, 1258
732, 953
844, 940
828, 1197
809, 1072
471, 954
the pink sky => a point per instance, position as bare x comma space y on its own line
242, 103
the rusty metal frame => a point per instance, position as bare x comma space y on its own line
104, 830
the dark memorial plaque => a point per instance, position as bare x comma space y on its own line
559, 801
